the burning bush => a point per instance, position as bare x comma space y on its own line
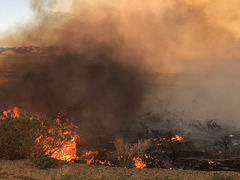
23, 135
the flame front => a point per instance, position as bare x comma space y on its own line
64, 150
60, 141
177, 138
14, 112
68, 151
139, 163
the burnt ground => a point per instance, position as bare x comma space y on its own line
23, 169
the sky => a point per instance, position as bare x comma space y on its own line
13, 11
18, 11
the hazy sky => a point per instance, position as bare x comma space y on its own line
13, 11
18, 11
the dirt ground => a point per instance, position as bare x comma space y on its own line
24, 170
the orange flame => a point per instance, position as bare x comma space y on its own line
139, 163
211, 162
177, 138
89, 161
68, 150
5, 113
91, 154
16, 112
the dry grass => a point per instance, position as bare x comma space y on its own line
124, 149
23, 169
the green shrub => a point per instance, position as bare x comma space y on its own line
220, 177
126, 163
29, 136
44, 162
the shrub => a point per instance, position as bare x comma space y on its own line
27, 135
126, 163
44, 162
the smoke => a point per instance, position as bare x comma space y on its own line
89, 75
97, 92
113, 58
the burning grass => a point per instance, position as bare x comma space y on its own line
45, 140
23, 135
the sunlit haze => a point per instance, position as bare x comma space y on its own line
14, 12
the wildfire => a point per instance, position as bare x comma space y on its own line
66, 151
211, 162
63, 150
139, 163
59, 141
14, 112
90, 154
177, 138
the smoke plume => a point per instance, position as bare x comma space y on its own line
113, 58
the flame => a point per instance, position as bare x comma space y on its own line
89, 161
14, 112
64, 150
139, 163
68, 150
211, 162
230, 135
90, 154
177, 138
5, 113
